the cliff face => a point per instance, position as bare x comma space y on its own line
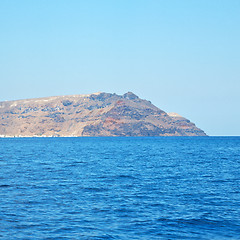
99, 114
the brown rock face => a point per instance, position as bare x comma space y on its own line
99, 114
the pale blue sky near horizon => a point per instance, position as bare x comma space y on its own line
183, 56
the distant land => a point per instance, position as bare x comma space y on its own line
97, 114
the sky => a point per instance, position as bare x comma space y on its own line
183, 56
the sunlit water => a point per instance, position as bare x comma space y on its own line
120, 188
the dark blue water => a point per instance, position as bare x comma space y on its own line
120, 188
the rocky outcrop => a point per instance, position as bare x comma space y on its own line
97, 114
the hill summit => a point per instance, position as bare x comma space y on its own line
97, 114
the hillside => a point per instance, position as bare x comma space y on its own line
97, 114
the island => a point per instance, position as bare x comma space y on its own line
97, 114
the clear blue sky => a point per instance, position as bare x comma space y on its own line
184, 56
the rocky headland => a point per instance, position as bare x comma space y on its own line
97, 114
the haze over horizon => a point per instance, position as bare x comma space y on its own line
183, 56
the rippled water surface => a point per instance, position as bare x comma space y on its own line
120, 188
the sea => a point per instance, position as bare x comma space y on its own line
120, 188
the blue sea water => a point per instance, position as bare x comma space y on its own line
120, 188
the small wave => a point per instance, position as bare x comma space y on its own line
94, 189
126, 176
5, 186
